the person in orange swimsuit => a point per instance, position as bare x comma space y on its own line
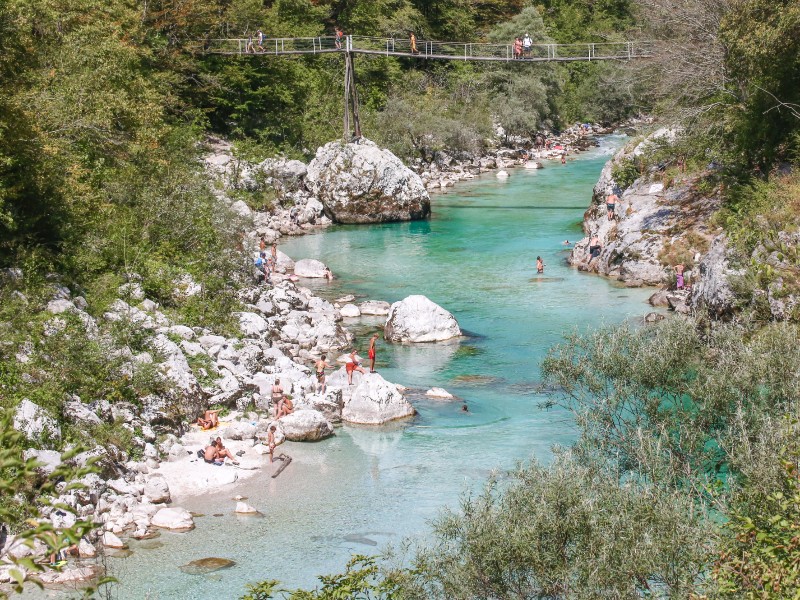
353, 365
371, 353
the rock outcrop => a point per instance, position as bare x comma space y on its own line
374, 401
361, 183
656, 226
713, 292
418, 319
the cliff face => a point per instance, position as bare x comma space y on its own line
660, 222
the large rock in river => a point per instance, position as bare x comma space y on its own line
375, 401
361, 183
418, 319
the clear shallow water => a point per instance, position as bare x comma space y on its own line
370, 486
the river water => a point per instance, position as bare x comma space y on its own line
367, 487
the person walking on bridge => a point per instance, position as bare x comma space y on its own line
413, 39
527, 43
339, 36
260, 40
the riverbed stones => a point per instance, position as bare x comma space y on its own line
243, 508
204, 566
375, 401
439, 394
377, 308
417, 319
174, 518
306, 425
310, 268
110, 540
359, 182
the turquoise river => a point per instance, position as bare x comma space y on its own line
369, 487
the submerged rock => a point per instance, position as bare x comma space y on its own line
439, 394
242, 508
418, 319
206, 565
361, 183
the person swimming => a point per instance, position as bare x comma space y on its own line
539, 265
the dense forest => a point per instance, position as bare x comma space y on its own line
684, 479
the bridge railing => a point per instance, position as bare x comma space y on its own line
426, 48
304, 45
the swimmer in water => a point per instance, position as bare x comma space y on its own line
539, 265
566, 243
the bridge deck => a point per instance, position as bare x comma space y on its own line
427, 49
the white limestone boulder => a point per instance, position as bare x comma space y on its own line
32, 420
375, 401
157, 490
377, 308
311, 268
350, 311
359, 182
175, 518
439, 394
417, 319
306, 425
252, 324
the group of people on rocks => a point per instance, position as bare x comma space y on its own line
266, 264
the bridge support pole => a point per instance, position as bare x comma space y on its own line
350, 97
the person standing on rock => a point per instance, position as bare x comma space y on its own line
320, 366
594, 247
679, 283
276, 395
353, 365
274, 254
371, 353
611, 204
271, 441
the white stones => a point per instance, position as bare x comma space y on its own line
310, 268
77, 412
502, 174
306, 425
35, 423
60, 306
350, 311
240, 208
375, 401
110, 540
86, 550
360, 183
439, 394
157, 490
174, 518
374, 308
243, 508
252, 324
417, 319
240, 430
49, 459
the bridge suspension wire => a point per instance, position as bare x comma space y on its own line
434, 50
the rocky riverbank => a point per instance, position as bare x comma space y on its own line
661, 220
283, 329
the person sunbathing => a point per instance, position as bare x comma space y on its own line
211, 455
209, 420
285, 407
223, 452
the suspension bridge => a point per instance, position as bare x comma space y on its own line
425, 49
350, 45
